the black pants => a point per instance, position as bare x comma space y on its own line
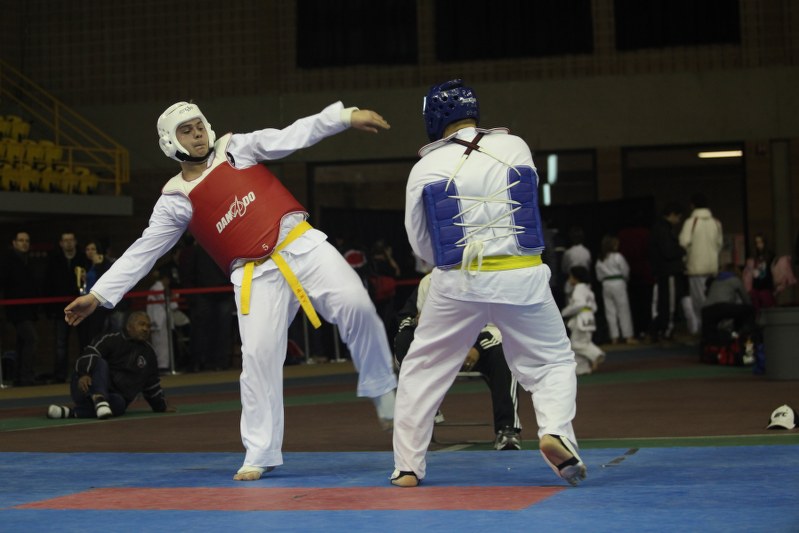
27, 341
101, 384
211, 331
742, 315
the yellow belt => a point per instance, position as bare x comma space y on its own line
505, 262
291, 279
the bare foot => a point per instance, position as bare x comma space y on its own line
251, 473
404, 479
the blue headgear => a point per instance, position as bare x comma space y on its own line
447, 103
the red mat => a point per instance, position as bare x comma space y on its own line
302, 499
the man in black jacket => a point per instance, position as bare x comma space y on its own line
112, 372
65, 269
666, 257
19, 282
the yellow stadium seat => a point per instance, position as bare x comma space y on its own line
52, 152
12, 176
19, 127
34, 152
51, 179
14, 151
6, 176
70, 182
29, 178
5, 127
88, 183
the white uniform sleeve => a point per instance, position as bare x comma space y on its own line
170, 218
248, 149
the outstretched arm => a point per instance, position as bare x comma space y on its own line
247, 149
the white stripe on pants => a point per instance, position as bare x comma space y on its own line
697, 288
537, 350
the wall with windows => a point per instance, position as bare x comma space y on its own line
615, 88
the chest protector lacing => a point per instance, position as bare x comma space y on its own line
472, 244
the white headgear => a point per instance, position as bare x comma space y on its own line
168, 123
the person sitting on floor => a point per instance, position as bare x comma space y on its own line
112, 372
727, 299
485, 356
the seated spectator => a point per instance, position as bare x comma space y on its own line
727, 299
581, 322
485, 357
112, 372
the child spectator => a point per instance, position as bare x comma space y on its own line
575, 255
157, 311
580, 312
613, 271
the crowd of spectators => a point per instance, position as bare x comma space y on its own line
650, 279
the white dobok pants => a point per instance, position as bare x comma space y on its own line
339, 297
537, 350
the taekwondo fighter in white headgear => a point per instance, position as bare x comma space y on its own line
255, 229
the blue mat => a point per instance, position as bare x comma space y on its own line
729, 489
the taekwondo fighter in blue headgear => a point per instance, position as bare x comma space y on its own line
472, 210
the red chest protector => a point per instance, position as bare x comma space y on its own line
237, 213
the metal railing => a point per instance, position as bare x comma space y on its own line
83, 143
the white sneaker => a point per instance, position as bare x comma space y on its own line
59, 411
103, 410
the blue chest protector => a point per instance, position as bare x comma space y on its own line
442, 208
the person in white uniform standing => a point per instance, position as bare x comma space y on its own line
613, 271
472, 210
256, 230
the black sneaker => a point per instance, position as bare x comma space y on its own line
508, 439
